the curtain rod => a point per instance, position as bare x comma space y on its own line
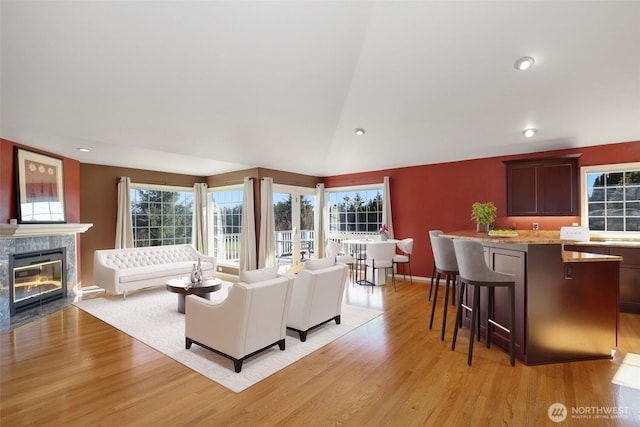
236, 181
294, 183
148, 182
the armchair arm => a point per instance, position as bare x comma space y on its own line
301, 299
219, 325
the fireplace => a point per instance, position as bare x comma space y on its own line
36, 278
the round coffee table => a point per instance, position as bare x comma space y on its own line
184, 287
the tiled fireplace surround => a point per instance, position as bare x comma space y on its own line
36, 239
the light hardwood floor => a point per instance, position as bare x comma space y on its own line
74, 370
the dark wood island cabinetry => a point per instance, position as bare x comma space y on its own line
567, 303
629, 269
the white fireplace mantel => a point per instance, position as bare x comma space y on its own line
34, 230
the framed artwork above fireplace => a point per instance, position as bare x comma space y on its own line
40, 188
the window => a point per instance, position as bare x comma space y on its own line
355, 210
161, 215
225, 224
294, 209
612, 197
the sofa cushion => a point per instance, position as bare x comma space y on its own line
154, 255
260, 275
159, 271
318, 264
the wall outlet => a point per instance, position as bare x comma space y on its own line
219, 268
535, 226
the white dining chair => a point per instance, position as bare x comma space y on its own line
334, 250
406, 247
380, 256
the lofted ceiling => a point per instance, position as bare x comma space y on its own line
206, 87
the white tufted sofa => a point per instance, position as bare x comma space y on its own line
123, 270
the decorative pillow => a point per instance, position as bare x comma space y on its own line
317, 264
260, 275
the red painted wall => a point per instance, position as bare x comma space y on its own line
8, 194
8, 183
423, 197
439, 196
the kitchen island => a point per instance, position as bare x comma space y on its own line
567, 302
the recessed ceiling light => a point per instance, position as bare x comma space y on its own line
84, 150
529, 132
524, 63
359, 131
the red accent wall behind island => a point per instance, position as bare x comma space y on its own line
439, 196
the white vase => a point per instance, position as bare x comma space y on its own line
383, 236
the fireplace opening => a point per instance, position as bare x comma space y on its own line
36, 278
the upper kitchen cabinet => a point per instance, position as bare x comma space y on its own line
543, 187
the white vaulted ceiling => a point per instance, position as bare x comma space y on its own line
206, 87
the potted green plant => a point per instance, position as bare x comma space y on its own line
483, 214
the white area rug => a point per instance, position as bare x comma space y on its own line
151, 316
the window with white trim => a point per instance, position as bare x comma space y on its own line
225, 224
355, 210
161, 215
611, 198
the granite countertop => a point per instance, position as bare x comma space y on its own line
526, 237
530, 237
611, 243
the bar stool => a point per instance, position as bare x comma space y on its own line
446, 263
432, 234
475, 272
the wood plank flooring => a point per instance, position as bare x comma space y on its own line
72, 369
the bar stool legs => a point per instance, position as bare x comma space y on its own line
434, 271
475, 318
450, 278
433, 277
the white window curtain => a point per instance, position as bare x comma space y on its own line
248, 229
321, 221
267, 252
387, 218
199, 235
124, 227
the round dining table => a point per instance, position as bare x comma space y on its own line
358, 249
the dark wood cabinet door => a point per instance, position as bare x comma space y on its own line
543, 187
512, 262
629, 278
558, 188
522, 193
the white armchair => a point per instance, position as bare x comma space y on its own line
251, 319
317, 295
